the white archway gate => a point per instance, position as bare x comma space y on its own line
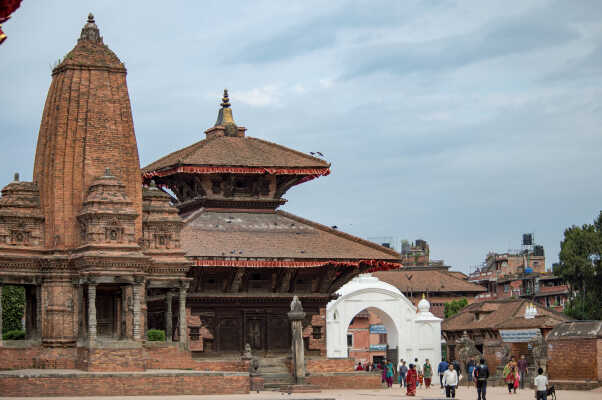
414, 335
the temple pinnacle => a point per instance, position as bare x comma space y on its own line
224, 117
90, 31
225, 99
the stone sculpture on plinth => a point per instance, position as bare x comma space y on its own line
296, 316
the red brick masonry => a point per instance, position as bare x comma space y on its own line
345, 380
77, 383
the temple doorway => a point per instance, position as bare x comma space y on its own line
372, 336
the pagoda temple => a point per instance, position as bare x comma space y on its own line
249, 258
193, 244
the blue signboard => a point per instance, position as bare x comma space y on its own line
378, 347
377, 329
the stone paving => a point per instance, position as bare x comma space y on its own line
463, 393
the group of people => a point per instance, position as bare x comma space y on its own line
412, 376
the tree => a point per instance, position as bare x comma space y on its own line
13, 306
580, 266
454, 307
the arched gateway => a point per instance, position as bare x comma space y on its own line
413, 334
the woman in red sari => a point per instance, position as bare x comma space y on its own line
411, 380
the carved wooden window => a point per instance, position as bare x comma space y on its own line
195, 333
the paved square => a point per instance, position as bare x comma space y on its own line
463, 393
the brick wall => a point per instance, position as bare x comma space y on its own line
123, 385
149, 357
112, 359
573, 359
359, 380
599, 346
317, 366
172, 357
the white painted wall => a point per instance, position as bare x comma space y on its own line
414, 334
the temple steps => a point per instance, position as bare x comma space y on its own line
275, 372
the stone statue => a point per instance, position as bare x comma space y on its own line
296, 306
254, 366
467, 349
247, 353
506, 353
539, 351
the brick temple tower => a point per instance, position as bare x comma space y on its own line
83, 238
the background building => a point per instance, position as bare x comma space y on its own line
520, 273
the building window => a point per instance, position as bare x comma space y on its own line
382, 338
349, 340
506, 288
317, 332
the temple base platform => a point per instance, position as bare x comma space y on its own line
72, 382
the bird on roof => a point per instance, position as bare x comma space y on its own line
320, 154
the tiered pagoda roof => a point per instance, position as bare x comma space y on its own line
228, 187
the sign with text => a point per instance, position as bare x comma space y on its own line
378, 347
377, 329
518, 335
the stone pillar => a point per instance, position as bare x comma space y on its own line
91, 314
169, 317
296, 316
182, 317
38, 311
137, 313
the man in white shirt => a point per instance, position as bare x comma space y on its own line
450, 381
541, 385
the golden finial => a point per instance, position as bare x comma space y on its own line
423, 296
224, 117
225, 99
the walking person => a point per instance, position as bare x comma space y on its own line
522, 370
481, 373
403, 370
450, 381
427, 370
541, 385
418, 371
411, 380
390, 372
470, 371
441, 370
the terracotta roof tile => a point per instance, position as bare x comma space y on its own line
237, 151
509, 313
425, 280
273, 235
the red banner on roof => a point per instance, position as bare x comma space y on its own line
376, 265
237, 170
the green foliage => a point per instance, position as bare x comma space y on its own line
156, 335
581, 267
454, 307
14, 335
13, 306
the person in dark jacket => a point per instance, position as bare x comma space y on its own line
441, 369
481, 373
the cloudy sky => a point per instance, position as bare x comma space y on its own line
465, 123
